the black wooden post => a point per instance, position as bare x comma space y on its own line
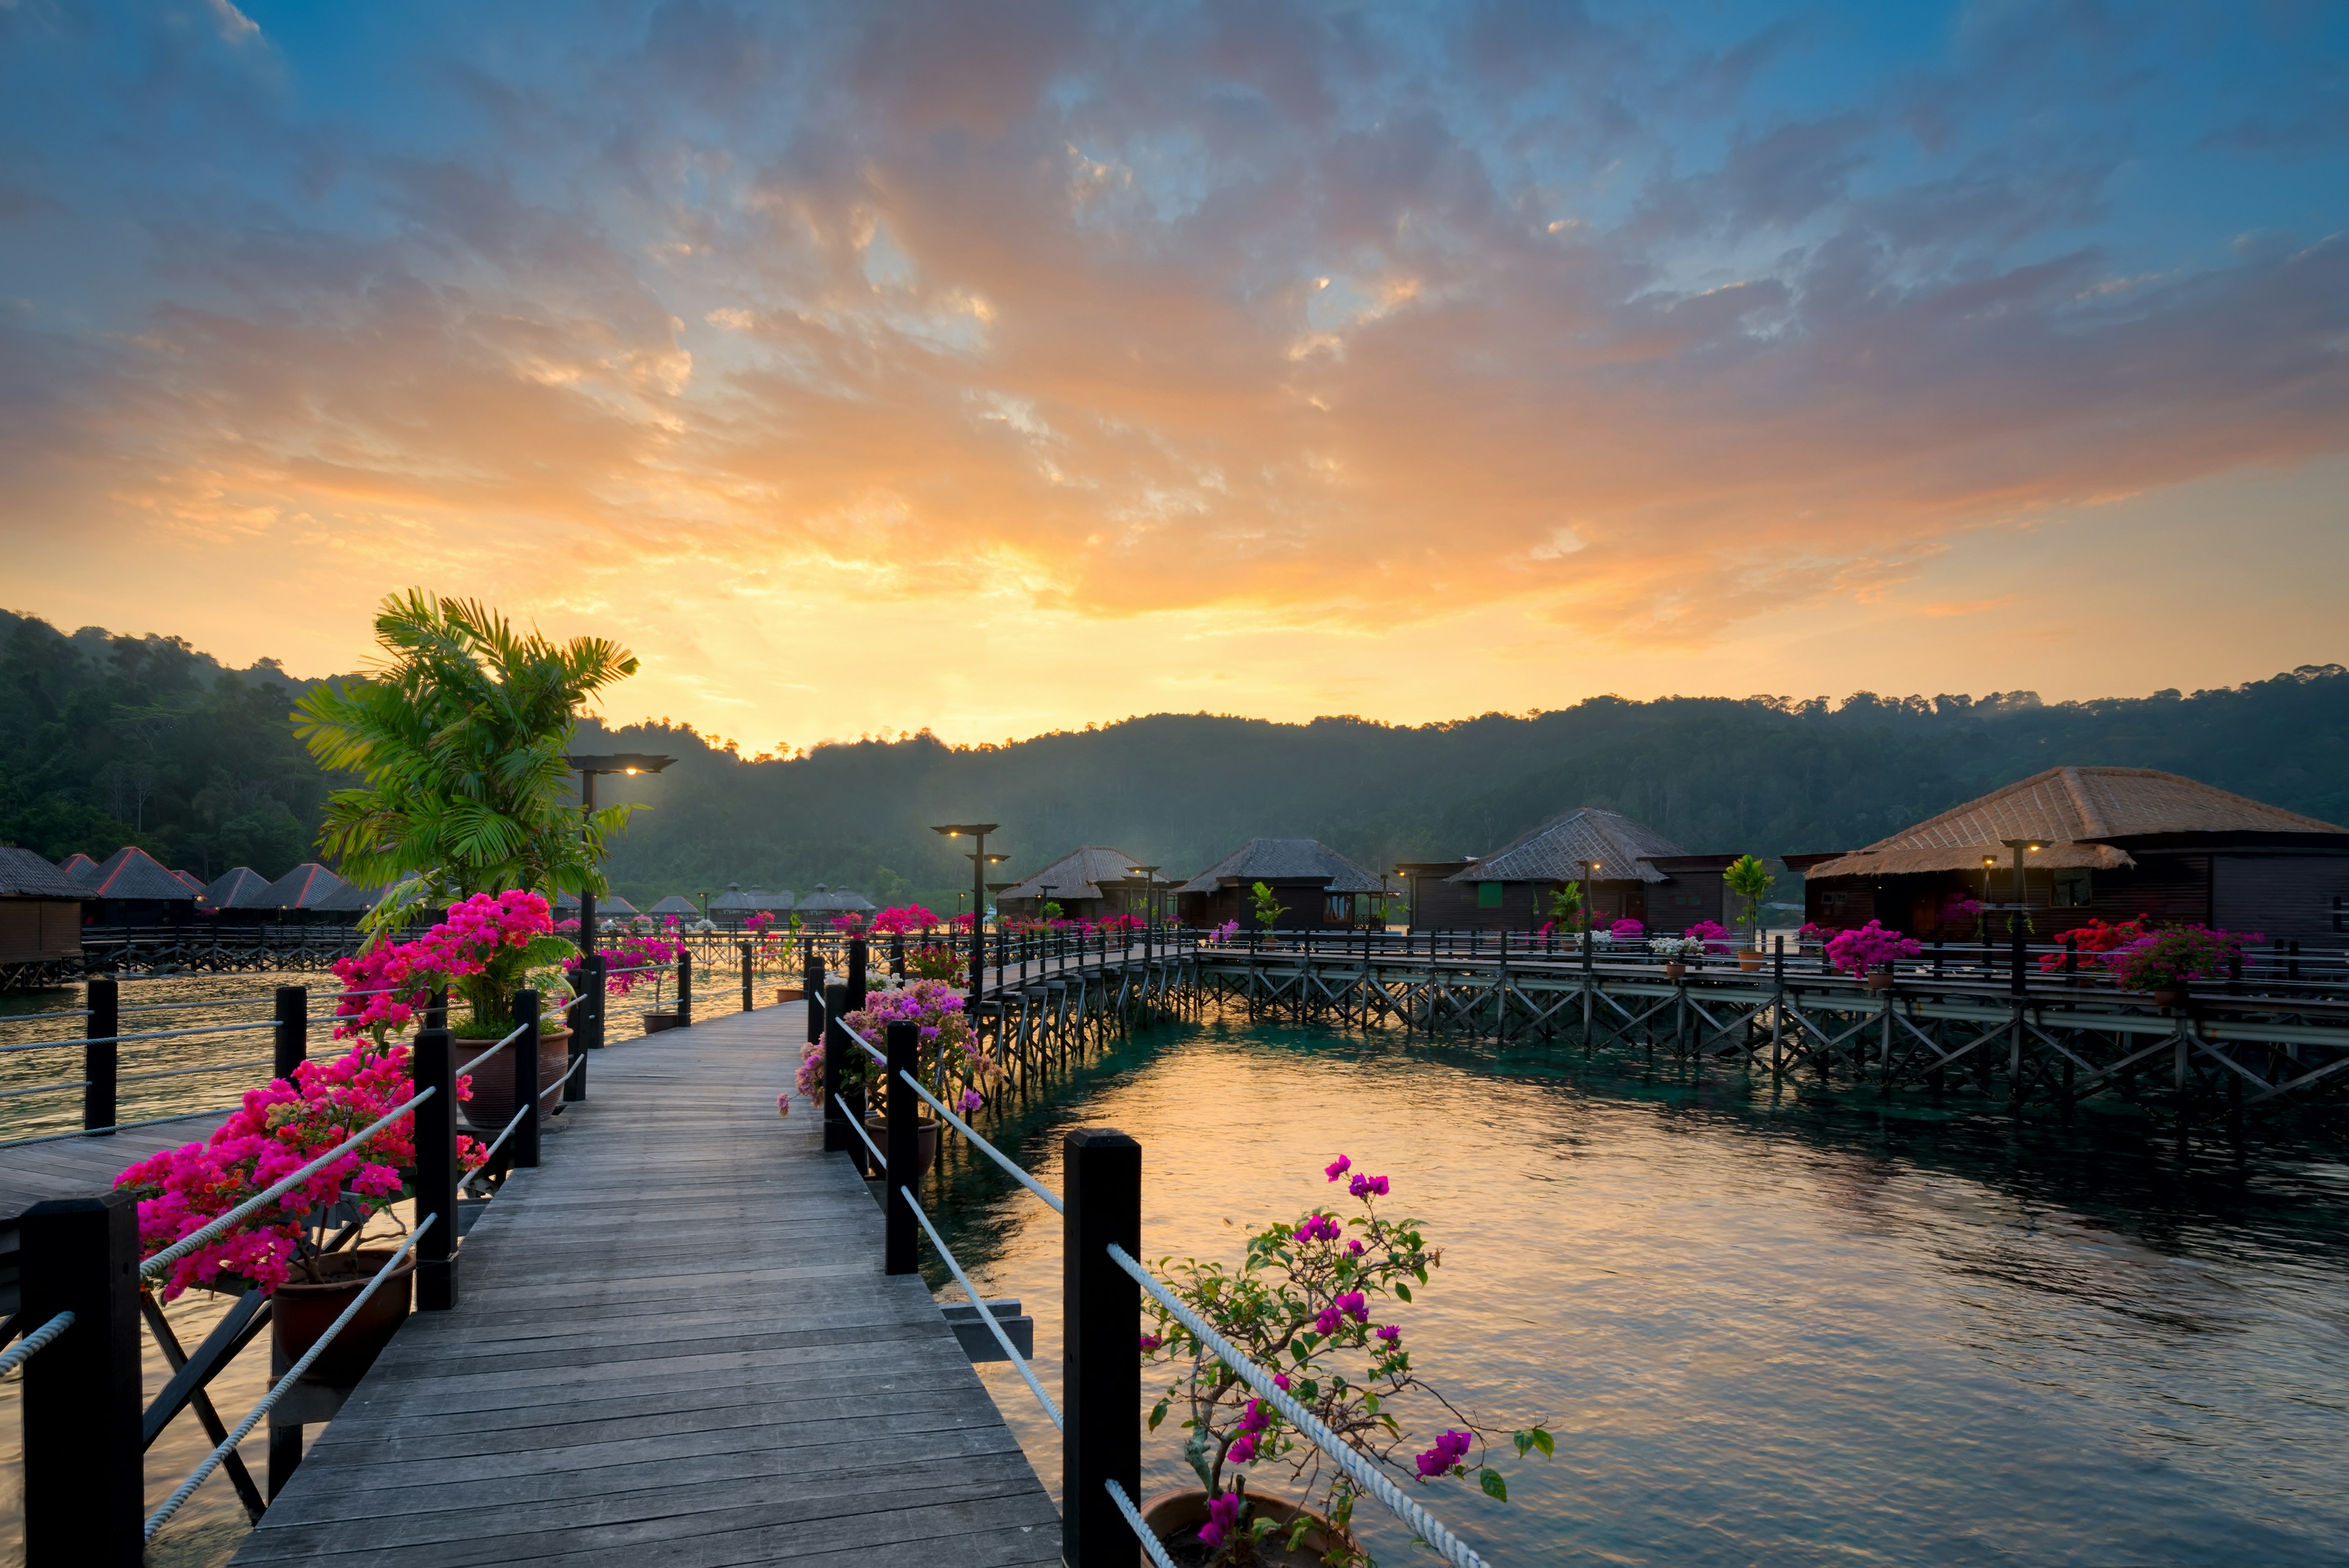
836, 1136
586, 1024
812, 988
524, 1142
435, 1064
292, 1031
1101, 1369
684, 988
99, 1053
896, 955
857, 957
84, 1504
901, 1147
2014, 972
749, 999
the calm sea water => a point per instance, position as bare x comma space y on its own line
1766, 1329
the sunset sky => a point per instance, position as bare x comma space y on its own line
996, 368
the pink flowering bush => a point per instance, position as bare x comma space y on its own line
910, 920
276, 1132
1856, 952
632, 959
1627, 930
1711, 934
849, 925
1309, 1302
1227, 930
481, 949
953, 1063
2173, 957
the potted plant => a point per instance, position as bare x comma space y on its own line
291, 1250
952, 1062
2167, 961
1751, 881
2095, 940
1676, 952
634, 960
1263, 908
1869, 952
1310, 1303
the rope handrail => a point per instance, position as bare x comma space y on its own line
34, 1343
499, 1142
44, 1044
149, 1034
188, 1006
978, 1304
115, 1127
878, 1158
46, 1088
1148, 1537
571, 1073
1050, 1199
1365, 1473
227, 1445
191, 1071
56, 1012
195, 1239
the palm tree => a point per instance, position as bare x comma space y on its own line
459, 733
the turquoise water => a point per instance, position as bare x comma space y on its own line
1766, 1328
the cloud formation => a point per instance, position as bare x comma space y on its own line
1633, 329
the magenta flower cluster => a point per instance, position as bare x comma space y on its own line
1451, 1449
1319, 1228
1223, 1518
399, 975
1255, 1420
1856, 952
1351, 1305
1368, 1187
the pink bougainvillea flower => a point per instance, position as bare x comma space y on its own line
1337, 1168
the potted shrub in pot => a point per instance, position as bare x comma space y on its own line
1869, 952
1750, 879
2166, 963
292, 1250
1306, 1303
952, 1064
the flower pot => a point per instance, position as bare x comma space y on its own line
1175, 1517
656, 1022
492, 1102
300, 1311
2172, 997
790, 993
1675, 971
1878, 981
878, 1130
1749, 961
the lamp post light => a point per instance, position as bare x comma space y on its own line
590, 964
1589, 896
976, 832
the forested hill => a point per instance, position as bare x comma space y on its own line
108, 739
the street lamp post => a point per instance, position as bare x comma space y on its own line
591, 965
977, 831
2016, 914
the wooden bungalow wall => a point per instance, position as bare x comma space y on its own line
35, 929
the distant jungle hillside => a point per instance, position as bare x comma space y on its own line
111, 740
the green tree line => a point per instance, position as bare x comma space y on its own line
111, 740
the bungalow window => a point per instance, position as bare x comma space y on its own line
1488, 895
2073, 890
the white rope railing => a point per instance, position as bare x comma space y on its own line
978, 1304
514, 1036
34, 1343
1148, 1537
191, 1071
880, 1161
46, 1088
260, 1200
1364, 1471
147, 1034
1050, 1199
117, 1126
227, 1445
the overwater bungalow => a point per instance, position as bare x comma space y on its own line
131, 887
237, 894
2112, 843
676, 903
1317, 888
40, 910
1632, 872
1089, 884
825, 905
302, 893
736, 906
80, 867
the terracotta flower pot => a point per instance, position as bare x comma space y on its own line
1749, 961
1675, 971
1175, 1517
878, 1130
300, 1311
791, 993
492, 1102
1878, 980
2172, 997
656, 1022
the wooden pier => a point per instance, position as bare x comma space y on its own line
674, 1344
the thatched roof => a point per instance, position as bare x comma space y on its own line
1286, 860
674, 904
2076, 813
24, 875
735, 901
829, 901
133, 874
308, 887
1079, 874
1557, 850
238, 887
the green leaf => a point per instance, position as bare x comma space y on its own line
1490, 1480
1158, 1414
1404, 1291
1535, 1438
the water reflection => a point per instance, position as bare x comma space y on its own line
1769, 1327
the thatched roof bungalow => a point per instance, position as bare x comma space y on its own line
132, 887
1317, 888
239, 891
1633, 872
735, 906
40, 910
306, 891
2112, 843
1089, 884
676, 903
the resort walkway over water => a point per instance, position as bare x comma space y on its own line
674, 1344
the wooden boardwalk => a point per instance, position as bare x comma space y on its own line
675, 1345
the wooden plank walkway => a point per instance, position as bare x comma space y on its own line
675, 1344
72, 1166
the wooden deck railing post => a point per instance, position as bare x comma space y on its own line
524, 1142
749, 999
586, 1022
85, 1502
685, 988
292, 1040
858, 956
901, 1147
836, 1136
435, 1063
1101, 1369
99, 1053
